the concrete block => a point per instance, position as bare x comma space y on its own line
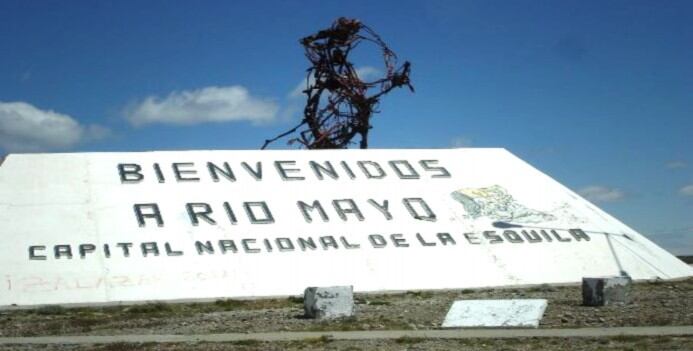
329, 302
516, 313
603, 291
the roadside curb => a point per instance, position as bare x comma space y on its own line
355, 335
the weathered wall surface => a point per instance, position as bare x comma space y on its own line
107, 227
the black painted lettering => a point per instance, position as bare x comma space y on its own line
321, 169
159, 174
84, 249
559, 238
268, 245
153, 212
126, 248
532, 236
512, 236
171, 252
226, 172
399, 240
180, 172
203, 247
199, 210
35, 256
266, 218
229, 213
440, 172
308, 243
246, 246
62, 251
347, 206
227, 245
546, 235
428, 213
492, 237
472, 239
446, 238
328, 241
284, 244
107, 250
347, 244
384, 208
579, 234
408, 173
424, 242
304, 207
130, 172
149, 248
284, 172
256, 173
371, 169
347, 169
377, 241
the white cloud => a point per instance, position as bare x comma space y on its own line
365, 73
597, 193
461, 141
25, 128
210, 104
686, 190
676, 164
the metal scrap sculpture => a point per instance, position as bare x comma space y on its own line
338, 106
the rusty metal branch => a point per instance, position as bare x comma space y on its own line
339, 103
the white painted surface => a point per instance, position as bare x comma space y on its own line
73, 199
520, 313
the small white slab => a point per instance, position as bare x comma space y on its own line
520, 313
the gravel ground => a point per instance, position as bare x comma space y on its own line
654, 303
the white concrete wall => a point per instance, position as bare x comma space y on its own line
72, 199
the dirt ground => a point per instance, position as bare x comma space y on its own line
654, 303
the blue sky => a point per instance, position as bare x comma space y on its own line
597, 94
